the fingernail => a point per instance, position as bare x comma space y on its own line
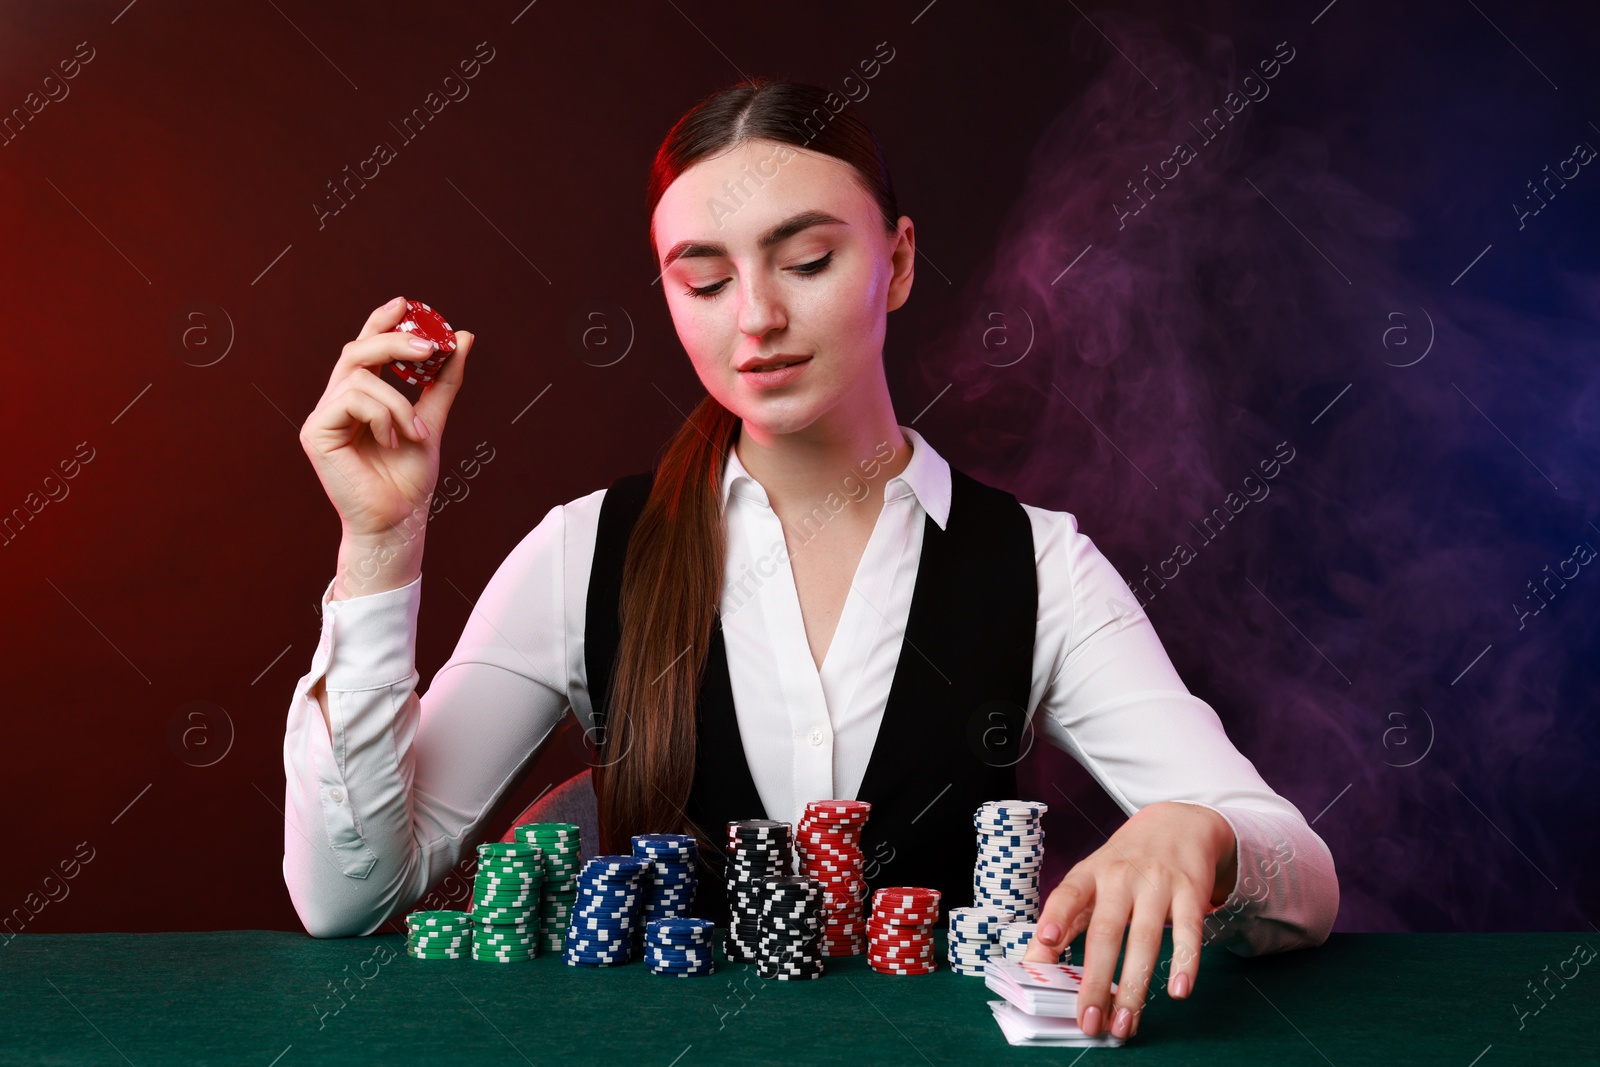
1091, 1020
394, 438
420, 344
396, 303
1049, 931
1180, 986
422, 427
1119, 1023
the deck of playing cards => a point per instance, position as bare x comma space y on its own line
1041, 1004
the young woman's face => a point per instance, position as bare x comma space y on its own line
771, 252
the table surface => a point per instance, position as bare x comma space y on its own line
276, 999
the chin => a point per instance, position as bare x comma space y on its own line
777, 415
777, 419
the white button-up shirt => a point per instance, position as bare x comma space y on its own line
380, 812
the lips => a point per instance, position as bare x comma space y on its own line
772, 364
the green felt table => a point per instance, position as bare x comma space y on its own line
268, 998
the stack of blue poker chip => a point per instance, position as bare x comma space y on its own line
683, 948
670, 881
1010, 854
600, 932
975, 939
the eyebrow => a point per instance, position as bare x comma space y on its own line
781, 232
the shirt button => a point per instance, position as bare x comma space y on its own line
336, 794
816, 737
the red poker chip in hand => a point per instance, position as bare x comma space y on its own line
422, 321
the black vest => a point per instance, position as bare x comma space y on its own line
952, 728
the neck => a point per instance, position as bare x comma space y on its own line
835, 454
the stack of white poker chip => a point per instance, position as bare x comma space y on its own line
1010, 854
974, 938
1014, 939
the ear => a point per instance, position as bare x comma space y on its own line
904, 261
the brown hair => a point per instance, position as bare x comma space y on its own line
672, 577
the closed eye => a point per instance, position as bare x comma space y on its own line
816, 266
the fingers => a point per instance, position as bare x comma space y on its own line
359, 408
1188, 934
1062, 917
364, 400
434, 405
1139, 961
402, 415
383, 318
379, 343
1101, 947
1077, 925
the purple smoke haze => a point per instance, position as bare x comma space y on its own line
1357, 613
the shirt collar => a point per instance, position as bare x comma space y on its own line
926, 478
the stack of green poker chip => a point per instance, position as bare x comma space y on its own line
505, 902
559, 841
438, 935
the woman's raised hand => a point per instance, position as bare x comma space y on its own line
376, 453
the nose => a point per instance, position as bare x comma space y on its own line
761, 308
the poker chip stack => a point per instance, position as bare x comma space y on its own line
829, 846
682, 947
758, 849
974, 939
559, 842
505, 902
900, 930
792, 917
438, 935
600, 932
670, 880
422, 321
1010, 853
1015, 938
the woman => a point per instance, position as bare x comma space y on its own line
803, 601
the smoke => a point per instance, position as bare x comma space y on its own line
1444, 452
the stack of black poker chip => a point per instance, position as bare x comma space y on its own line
758, 850
792, 917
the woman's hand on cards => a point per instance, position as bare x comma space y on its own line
377, 453
1169, 861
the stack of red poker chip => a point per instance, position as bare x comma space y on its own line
829, 844
900, 932
422, 321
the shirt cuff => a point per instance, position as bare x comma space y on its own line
1286, 892
370, 641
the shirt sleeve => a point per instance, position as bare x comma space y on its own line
1112, 699
380, 811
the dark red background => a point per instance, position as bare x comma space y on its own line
197, 541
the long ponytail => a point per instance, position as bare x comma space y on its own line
671, 582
